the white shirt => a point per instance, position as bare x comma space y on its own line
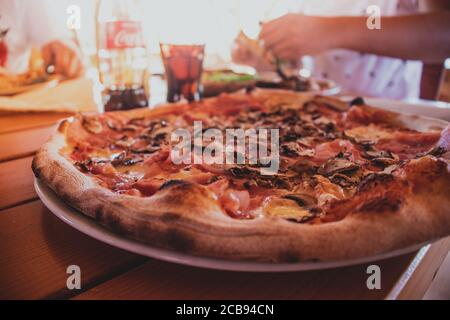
31, 23
366, 74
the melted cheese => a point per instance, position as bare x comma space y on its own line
284, 208
371, 132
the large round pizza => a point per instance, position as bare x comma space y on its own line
261, 175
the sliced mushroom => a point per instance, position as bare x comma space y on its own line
290, 149
436, 151
137, 121
147, 149
307, 153
131, 128
310, 107
384, 162
158, 124
250, 184
343, 180
303, 200
99, 160
325, 124
304, 166
111, 125
390, 169
131, 161
118, 158
125, 142
84, 166
289, 137
332, 103
358, 101
160, 136
373, 154
356, 139
278, 182
381, 158
92, 124
338, 165
241, 172
368, 135
372, 179
156, 131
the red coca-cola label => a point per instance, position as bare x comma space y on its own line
124, 35
3, 53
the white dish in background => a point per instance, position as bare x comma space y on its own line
328, 87
88, 226
52, 82
433, 109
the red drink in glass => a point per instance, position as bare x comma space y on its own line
184, 68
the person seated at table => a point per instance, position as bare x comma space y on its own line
25, 24
386, 62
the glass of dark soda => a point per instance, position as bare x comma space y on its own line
184, 67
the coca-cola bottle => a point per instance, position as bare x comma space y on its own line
122, 55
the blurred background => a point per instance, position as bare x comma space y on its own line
217, 24
171, 20
212, 22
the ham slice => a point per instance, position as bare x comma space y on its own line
236, 202
358, 115
148, 187
159, 156
219, 187
328, 150
409, 143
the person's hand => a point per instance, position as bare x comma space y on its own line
248, 52
294, 35
65, 58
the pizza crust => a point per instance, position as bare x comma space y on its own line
186, 217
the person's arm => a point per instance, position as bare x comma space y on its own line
432, 72
433, 5
43, 21
415, 37
423, 37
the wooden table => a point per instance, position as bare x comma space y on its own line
36, 248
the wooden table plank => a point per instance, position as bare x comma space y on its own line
417, 285
36, 249
26, 120
16, 182
20, 144
160, 280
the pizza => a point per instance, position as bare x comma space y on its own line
349, 180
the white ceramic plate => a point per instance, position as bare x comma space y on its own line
432, 109
22, 89
329, 88
88, 226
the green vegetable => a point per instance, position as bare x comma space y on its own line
221, 76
